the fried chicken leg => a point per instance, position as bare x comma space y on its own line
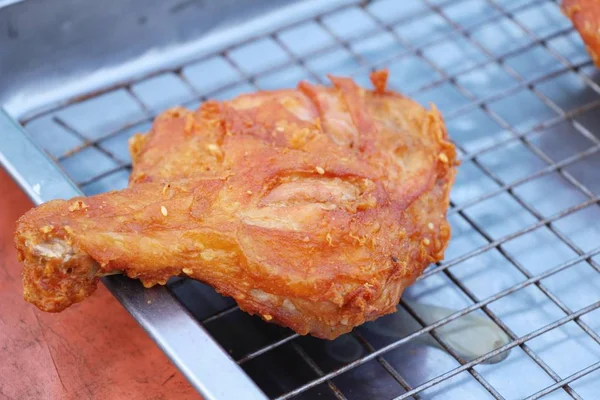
313, 208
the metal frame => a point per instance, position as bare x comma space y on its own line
189, 356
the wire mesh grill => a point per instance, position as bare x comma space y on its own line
520, 97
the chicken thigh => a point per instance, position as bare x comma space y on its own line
312, 207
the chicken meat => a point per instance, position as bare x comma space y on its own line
312, 207
585, 15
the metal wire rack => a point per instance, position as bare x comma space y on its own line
520, 97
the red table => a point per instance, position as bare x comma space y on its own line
93, 350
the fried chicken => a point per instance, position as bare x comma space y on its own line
585, 15
313, 208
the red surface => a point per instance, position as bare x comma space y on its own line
93, 350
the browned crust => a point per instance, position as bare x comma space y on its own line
313, 208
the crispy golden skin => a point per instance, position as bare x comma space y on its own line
585, 15
313, 208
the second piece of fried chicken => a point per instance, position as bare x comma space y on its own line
313, 208
585, 15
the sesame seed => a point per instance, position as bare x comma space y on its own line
320, 170
329, 239
77, 205
443, 158
280, 129
215, 150
249, 192
426, 242
163, 211
430, 225
187, 271
267, 317
46, 228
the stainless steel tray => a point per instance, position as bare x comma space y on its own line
521, 99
